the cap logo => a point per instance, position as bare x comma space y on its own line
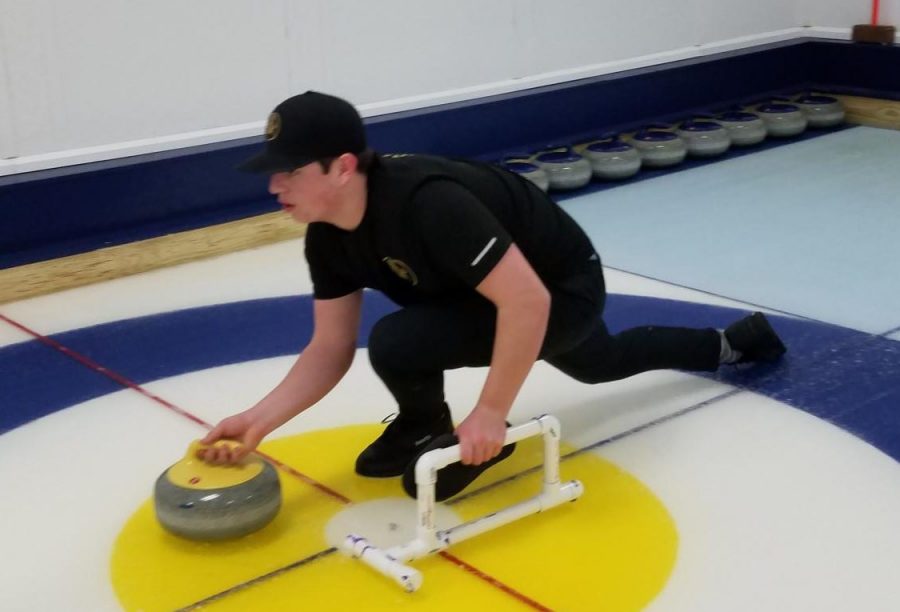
273, 126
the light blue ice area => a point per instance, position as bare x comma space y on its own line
810, 228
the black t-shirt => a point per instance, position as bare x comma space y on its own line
434, 228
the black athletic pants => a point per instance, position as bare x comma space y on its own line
410, 349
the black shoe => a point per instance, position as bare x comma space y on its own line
755, 339
456, 476
399, 444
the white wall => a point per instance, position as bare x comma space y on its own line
95, 72
89, 79
846, 13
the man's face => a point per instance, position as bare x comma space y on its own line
304, 193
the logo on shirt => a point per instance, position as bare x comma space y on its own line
402, 270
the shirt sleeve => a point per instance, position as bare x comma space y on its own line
462, 237
329, 281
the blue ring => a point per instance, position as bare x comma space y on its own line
841, 375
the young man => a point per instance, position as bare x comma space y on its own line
488, 271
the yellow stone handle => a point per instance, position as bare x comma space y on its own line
197, 445
193, 472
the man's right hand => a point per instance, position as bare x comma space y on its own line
241, 428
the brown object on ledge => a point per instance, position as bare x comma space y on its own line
874, 34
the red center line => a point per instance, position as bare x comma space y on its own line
494, 582
125, 382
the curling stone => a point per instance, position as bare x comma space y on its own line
704, 137
528, 171
659, 147
200, 501
744, 128
612, 159
565, 169
782, 119
821, 111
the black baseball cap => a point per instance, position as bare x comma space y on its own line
306, 128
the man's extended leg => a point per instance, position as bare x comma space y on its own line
603, 357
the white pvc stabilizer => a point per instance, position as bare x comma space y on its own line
407, 577
428, 540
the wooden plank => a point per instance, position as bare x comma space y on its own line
872, 112
114, 262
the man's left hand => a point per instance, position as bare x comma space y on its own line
481, 436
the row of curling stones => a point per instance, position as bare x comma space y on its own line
563, 168
710, 136
661, 146
785, 117
555, 167
657, 146
199, 501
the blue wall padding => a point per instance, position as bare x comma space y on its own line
854, 68
114, 202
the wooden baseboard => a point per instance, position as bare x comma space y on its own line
114, 262
872, 112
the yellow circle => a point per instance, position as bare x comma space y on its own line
613, 549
